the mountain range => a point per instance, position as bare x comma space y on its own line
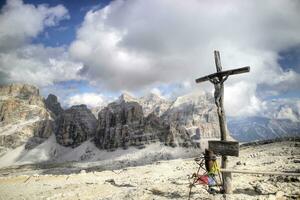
27, 121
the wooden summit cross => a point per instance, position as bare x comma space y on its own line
223, 147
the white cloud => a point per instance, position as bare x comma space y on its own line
21, 61
20, 22
38, 65
282, 108
138, 45
287, 113
90, 99
134, 44
156, 91
240, 100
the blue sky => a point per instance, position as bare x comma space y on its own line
290, 59
99, 49
65, 33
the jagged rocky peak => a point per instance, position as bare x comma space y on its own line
196, 112
153, 103
18, 89
53, 105
195, 106
75, 125
96, 110
21, 102
126, 97
152, 97
196, 98
24, 92
23, 115
120, 124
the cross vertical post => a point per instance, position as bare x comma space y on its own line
220, 103
222, 123
218, 79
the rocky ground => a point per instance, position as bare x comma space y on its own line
161, 180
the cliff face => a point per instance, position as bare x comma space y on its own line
20, 102
120, 124
19, 90
53, 105
23, 116
75, 125
194, 114
184, 123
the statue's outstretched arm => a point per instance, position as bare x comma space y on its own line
224, 79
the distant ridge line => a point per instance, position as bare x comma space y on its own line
281, 139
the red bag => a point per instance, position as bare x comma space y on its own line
203, 180
206, 180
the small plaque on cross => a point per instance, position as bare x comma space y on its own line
224, 148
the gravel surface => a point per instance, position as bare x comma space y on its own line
160, 180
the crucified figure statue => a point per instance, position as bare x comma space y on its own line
218, 90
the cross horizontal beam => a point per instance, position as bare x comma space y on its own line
224, 73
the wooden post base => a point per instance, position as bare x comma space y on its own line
227, 182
